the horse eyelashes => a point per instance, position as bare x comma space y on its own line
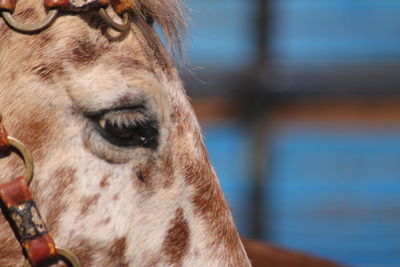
127, 128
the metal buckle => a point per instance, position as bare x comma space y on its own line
125, 26
52, 15
65, 255
30, 28
26, 155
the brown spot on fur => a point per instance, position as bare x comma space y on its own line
44, 39
35, 132
47, 71
146, 178
88, 202
84, 251
27, 13
104, 182
167, 171
106, 221
176, 115
154, 174
129, 63
115, 197
176, 242
210, 204
63, 178
181, 119
84, 53
142, 174
13, 75
117, 252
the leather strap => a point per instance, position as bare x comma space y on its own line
26, 221
7, 5
24, 218
75, 5
68, 5
122, 6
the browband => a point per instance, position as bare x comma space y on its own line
121, 7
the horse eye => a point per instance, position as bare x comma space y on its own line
125, 133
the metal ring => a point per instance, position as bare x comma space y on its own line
116, 26
65, 255
29, 28
26, 155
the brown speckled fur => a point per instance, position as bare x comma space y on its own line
111, 205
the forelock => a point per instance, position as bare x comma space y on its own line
169, 15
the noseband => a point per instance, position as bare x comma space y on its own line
54, 7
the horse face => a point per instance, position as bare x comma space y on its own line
107, 92
121, 174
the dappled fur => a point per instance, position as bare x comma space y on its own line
111, 205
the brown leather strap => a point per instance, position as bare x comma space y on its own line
75, 5
56, 3
26, 222
15, 192
7, 5
122, 6
40, 249
70, 5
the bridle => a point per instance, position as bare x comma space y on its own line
22, 214
54, 7
16, 202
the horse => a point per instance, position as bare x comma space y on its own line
122, 177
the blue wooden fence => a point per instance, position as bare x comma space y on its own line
303, 31
333, 193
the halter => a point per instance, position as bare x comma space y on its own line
22, 214
54, 7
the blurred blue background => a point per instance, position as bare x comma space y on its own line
300, 106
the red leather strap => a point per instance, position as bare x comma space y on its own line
40, 249
73, 5
15, 192
26, 222
122, 6
56, 3
7, 5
